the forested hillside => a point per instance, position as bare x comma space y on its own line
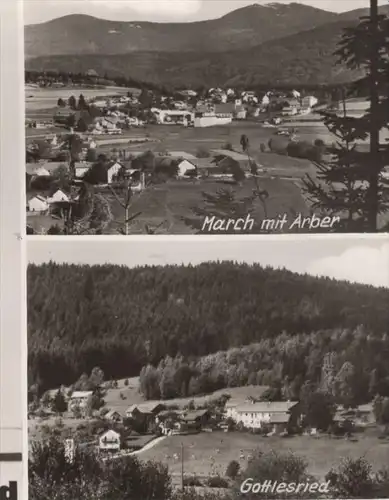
121, 319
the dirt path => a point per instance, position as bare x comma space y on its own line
148, 446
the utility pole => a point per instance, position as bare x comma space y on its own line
182, 469
374, 126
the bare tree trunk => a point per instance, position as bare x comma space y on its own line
374, 126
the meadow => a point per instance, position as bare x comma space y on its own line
210, 453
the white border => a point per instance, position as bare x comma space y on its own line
13, 324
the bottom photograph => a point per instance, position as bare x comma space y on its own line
206, 369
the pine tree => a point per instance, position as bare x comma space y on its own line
351, 184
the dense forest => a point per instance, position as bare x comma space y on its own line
302, 58
123, 319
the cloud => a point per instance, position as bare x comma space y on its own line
361, 264
171, 8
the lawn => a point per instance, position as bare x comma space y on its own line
131, 395
167, 203
210, 453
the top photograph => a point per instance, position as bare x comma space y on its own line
206, 117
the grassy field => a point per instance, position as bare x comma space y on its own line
132, 395
40, 98
210, 453
168, 203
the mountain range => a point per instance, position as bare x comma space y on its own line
254, 44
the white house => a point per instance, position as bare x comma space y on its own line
109, 441
184, 167
58, 196
309, 101
41, 172
79, 399
254, 415
38, 204
113, 171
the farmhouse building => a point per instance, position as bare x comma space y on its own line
58, 196
145, 410
185, 167
38, 204
113, 416
278, 414
79, 399
110, 441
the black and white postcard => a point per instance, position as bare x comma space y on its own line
198, 370
206, 117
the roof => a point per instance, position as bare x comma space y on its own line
231, 154
51, 166
204, 163
111, 413
81, 394
144, 407
110, 432
38, 197
267, 407
366, 408
182, 154
192, 415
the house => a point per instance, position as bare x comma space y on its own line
240, 113
255, 415
309, 101
37, 171
37, 204
204, 166
145, 410
194, 420
185, 168
229, 163
231, 154
81, 168
113, 416
362, 415
58, 196
79, 399
182, 154
113, 171
110, 441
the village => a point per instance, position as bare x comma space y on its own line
151, 428
126, 139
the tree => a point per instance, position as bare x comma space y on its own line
353, 479
82, 103
82, 125
317, 407
275, 467
61, 103
244, 142
351, 184
58, 404
72, 102
91, 155
233, 469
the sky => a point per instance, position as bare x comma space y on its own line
36, 11
352, 258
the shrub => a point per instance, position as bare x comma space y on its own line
217, 482
126, 382
278, 145
233, 469
202, 153
228, 146
192, 481
263, 147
